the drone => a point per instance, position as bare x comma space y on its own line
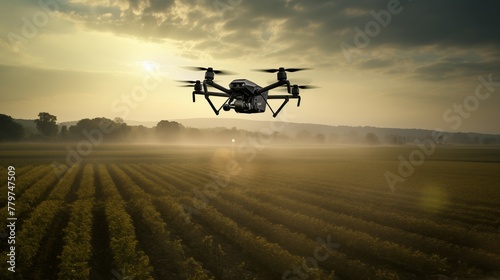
245, 96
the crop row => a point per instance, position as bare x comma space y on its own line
38, 225
192, 234
24, 180
458, 254
132, 262
161, 245
415, 222
353, 241
32, 196
77, 248
343, 205
405, 253
270, 230
390, 223
402, 201
272, 255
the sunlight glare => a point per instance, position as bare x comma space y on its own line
148, 66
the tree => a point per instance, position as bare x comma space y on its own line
372, 139
46, 124
104, 128
320, 138
64, 132
9, 129
169, 131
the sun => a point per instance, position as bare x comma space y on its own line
148, 65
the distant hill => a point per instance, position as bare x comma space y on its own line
338, 133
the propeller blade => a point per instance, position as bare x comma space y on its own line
266, 70
185, 86
225, 72
308, 87
296, 69
195, 68
186, 81
219, 72
301, 81
286, 69
301, 87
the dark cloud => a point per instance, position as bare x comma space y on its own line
306, 30
447, 22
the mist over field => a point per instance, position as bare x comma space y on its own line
213, 131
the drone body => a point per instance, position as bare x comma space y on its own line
245, 101
245, 96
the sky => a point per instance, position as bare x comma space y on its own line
405, 64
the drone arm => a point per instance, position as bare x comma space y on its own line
283, 97
209, 93
273, 86
217, 86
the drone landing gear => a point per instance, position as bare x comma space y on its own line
212, 105
285, 98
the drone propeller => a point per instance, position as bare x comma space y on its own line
305, 87
295, 88
189, 83
218, 72
282, 69
302, 81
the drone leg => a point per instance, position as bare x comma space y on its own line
281, 107
211, 105
194, 99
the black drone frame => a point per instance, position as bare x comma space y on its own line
201, 88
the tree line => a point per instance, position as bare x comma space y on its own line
117, 130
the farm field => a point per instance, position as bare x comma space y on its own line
180, 212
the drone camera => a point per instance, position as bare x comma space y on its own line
239, 106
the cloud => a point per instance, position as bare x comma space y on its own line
303, 31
